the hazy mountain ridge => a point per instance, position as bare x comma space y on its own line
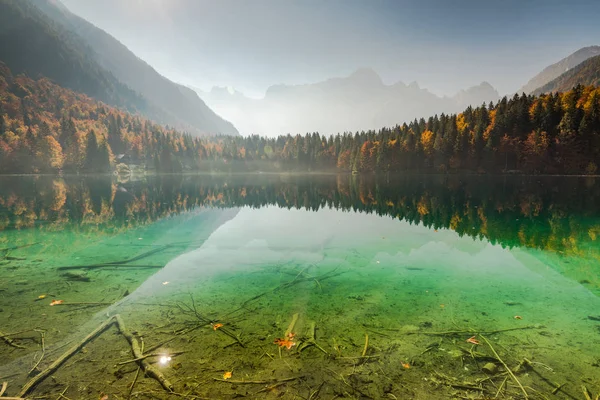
32, 43
182, 107
587, 73
42, 38
555, 70
360, 101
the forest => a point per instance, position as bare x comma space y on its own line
45, 128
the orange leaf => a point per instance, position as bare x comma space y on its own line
217, 326
56, 302
472, 340
227, 375
284, 343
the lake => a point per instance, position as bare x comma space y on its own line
300, 287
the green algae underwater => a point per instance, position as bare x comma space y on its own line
300, 287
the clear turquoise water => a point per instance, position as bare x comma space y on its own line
417, 265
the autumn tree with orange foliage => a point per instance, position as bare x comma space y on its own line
46, 128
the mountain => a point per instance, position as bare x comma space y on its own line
555, 70
46, 128
41, 37
360, 101
475, 95
31, 43
587, 73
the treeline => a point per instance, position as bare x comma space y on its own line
555, 214
46, 128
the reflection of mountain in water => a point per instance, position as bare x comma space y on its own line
556, 214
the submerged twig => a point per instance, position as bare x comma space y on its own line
62, 394
143, 357
43, 335
121, 263
137, 373
258, 382
506, 367
110, 266
501, 386
292, 324
289, 284
84, 304
364, 352
10, 342
206, 321
474, 331
135, 348
311, 341
60, 360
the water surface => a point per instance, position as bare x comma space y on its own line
381, 281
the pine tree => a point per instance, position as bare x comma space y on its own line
104, 158
92, 158
2, 122
67, 131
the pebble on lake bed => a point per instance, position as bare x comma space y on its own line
490, 368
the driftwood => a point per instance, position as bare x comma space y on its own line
135, 348
137, 374
173, 354
68, 354
9, 341
6, 250
587, 394
311, 341
292, 324
121, 263
137, 353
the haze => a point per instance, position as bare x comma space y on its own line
444, 46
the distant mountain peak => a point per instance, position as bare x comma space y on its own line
474, 95
366, 75
355, 102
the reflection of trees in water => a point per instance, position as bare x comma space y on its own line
559, 214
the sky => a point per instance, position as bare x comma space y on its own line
444, 46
